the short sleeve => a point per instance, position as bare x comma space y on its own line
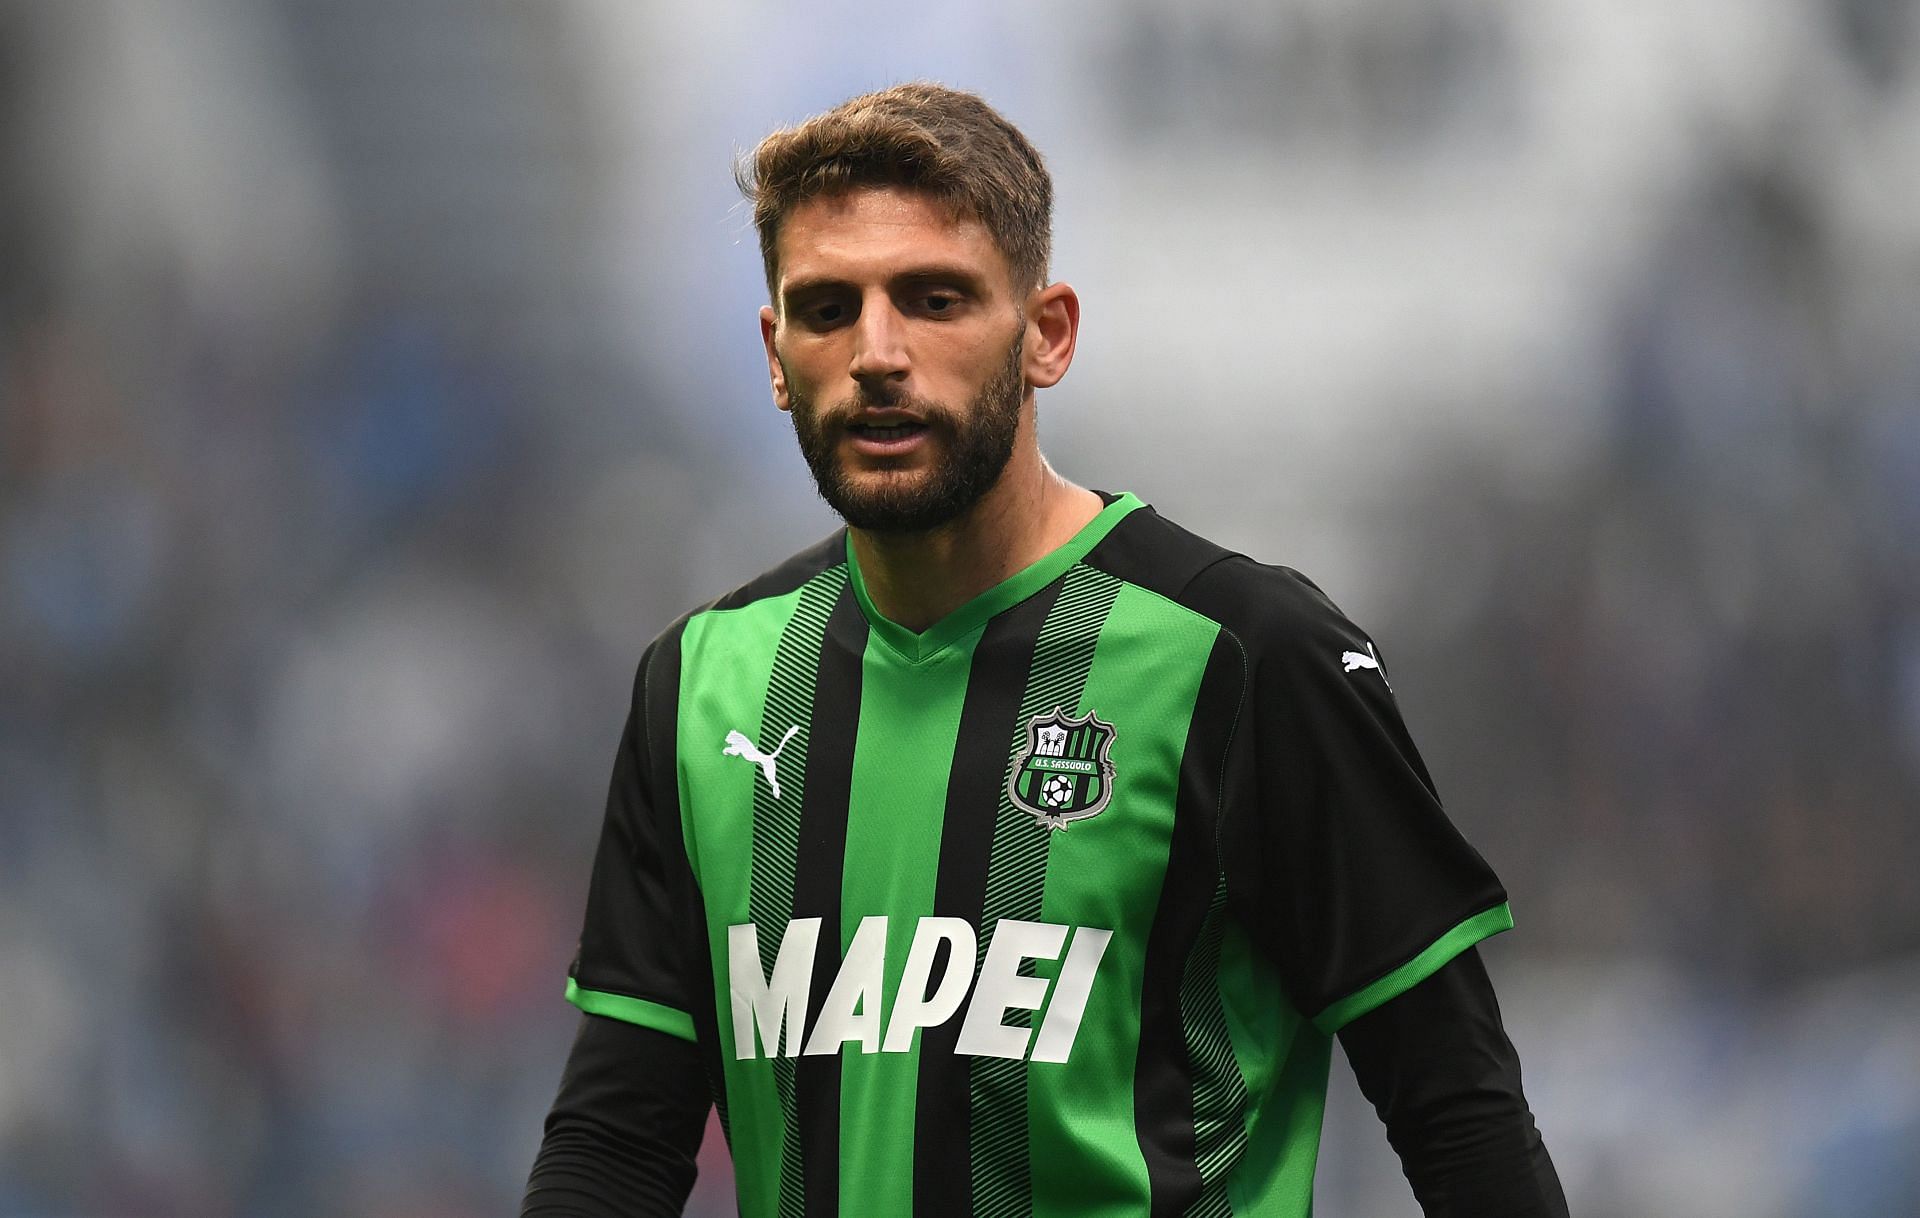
632, 962
1340, 860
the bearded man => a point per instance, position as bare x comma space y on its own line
1013, 850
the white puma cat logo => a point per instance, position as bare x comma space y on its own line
739, 746
1353, 660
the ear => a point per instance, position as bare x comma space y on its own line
1053, 326
775, 374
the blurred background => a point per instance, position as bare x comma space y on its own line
376, 379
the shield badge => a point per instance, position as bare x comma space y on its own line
1063, 773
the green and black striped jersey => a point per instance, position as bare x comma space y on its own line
1051, 909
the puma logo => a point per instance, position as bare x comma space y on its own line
1352, 661
739, 746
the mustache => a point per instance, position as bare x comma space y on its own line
840, 415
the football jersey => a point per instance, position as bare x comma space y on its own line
1050, 909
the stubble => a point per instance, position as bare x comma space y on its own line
975, 447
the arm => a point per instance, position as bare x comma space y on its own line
633, 1098
622, 1134
1438, 1068
1369, 901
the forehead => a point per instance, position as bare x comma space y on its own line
878, 232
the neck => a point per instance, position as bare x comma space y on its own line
916, 579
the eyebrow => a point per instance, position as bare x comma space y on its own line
957, 275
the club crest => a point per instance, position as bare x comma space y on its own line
1063, 773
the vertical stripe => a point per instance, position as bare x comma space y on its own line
909, 722
1220, 1096
1016, 879
785, 728
831, 734
942, 1178
1165, 1080
726, 655
1113, 871
1284, 1059
1219, 1092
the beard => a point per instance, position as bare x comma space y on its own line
975, 448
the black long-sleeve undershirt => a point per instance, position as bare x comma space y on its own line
622, 1134
1444, 1078
1435, 1062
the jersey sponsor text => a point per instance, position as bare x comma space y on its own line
769, 1011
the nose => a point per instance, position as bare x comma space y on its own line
879, 344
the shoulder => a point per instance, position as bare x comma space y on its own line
825, 556
1269, 609
763, 601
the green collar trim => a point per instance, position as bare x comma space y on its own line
918, 646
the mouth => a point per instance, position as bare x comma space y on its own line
886, 437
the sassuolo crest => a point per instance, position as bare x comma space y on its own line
1063, 774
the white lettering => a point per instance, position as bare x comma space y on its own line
770, 1004
913, 1007
852, 1007
1069, 1001
1001, 988
770, 1013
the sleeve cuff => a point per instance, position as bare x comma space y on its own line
1480, 926
660, 1018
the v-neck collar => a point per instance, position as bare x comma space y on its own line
916, 646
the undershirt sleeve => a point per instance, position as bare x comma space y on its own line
624, 1130
1438, 1068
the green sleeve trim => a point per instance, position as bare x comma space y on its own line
632, 1010
1413, 972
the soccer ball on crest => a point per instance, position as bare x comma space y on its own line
1057, 791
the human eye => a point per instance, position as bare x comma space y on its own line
939, 302
823, 313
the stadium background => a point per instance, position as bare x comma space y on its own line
375, 379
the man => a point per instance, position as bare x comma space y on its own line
1014, 851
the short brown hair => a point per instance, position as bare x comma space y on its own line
921, 136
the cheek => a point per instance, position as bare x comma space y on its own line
974, 361
809, 367
795, 381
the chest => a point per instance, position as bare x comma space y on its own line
1031, 774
